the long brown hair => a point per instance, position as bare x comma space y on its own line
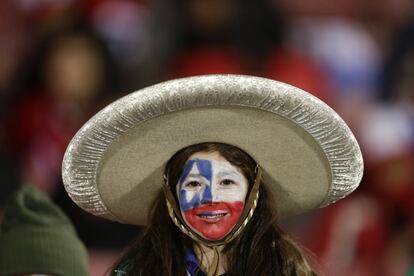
261, 249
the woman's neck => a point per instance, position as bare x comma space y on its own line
205, 256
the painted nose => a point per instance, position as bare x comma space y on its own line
207, 196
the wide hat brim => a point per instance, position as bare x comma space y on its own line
113, 167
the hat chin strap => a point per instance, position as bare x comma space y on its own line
175, 214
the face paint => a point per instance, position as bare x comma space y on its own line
211, 193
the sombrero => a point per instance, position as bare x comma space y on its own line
113, 167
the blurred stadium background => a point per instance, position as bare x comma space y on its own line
62, 60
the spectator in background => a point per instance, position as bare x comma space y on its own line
76, 77
37, 238
374, 226
74, 74
238, 37
204, 39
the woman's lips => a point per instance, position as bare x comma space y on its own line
211, 213
212, 217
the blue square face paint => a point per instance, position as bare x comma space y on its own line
199, 169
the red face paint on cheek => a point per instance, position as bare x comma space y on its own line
214, 221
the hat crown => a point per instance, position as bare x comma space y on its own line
31, 207
36, 237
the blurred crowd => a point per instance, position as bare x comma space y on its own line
63, 60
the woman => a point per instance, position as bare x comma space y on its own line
228, 136
164, 250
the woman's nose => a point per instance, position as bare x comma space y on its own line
207, 195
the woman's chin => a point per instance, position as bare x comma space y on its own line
214, 232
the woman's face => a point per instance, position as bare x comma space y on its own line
211, 193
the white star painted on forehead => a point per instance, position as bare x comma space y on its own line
194, 170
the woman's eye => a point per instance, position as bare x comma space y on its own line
192, 184
227, 182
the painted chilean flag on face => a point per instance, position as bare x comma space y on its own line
211, 193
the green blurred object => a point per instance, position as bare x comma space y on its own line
37, 237
411, 271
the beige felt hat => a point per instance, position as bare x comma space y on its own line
113, 167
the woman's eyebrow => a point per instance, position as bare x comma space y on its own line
195, 175
228, 173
